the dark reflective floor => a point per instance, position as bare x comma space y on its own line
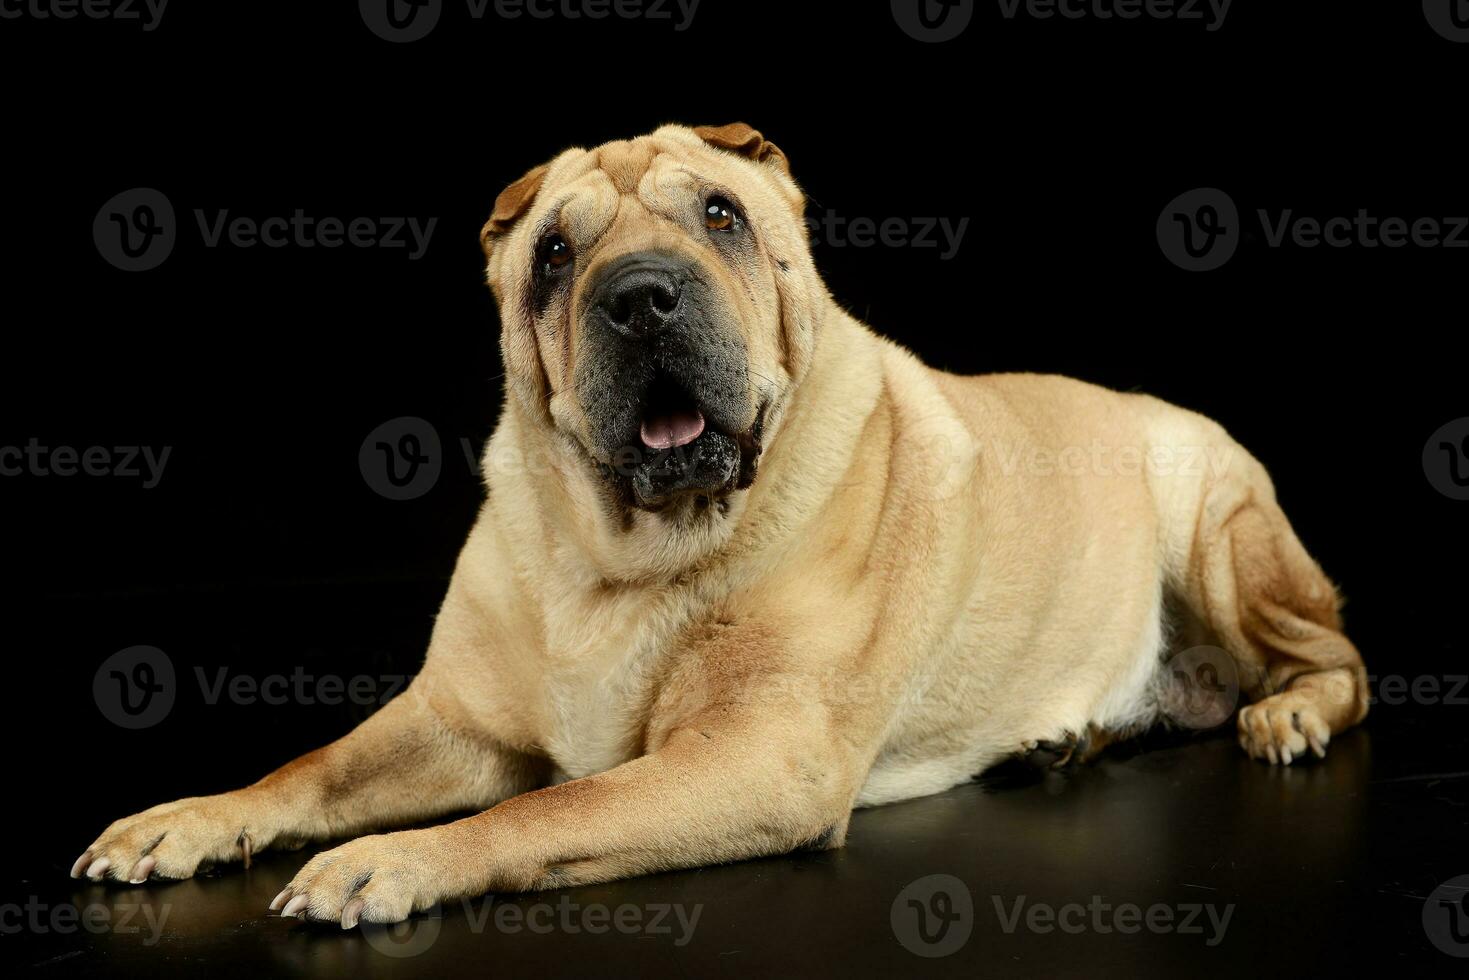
1179, 857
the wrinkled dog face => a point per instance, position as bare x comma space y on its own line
652, 295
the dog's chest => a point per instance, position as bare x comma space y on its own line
604, 654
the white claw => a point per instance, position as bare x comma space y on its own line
294, 906
352, 911
143, 869
99, 868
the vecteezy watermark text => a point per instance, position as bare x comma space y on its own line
403, 21
838, 231
146, 13
570, 917
1212, 12
1103, 918
1423, 689
42, 918
299, 687
1100, 459
415, 936
126, 462
304, 231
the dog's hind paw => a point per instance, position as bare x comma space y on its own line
1068, 751
1282, 729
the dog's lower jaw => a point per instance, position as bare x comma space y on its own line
692, 480
715, 465
708, 466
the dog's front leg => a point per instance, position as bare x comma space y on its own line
758, 772
408, 762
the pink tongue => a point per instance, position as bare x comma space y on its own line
678, 428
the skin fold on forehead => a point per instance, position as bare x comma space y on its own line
662, 172
629, 164
589, 189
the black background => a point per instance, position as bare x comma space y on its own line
263, 549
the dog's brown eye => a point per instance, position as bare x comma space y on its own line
554, 252
720, 215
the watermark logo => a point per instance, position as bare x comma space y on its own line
933, 21
1201, 688
402, 458
1450, 18
135, 688
1199, 231
136, 230
401, 21
401, 940
933, 916
1446, 917
1446, 459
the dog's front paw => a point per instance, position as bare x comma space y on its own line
172, 841
384, 878
1281, 729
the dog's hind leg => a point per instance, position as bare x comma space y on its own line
1242, 571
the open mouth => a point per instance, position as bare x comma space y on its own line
683, 452
673, 435
671, 419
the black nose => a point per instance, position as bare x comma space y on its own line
640, 300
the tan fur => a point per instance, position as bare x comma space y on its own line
929, 574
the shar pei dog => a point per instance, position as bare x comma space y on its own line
744, 565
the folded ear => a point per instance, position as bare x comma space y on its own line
513, 202
746, 141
